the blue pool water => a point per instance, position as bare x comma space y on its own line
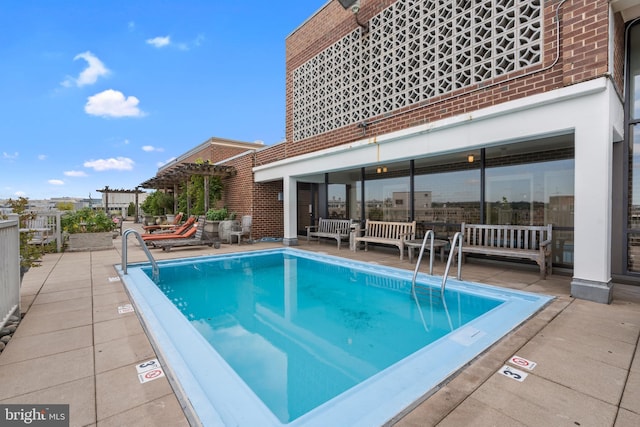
287, 337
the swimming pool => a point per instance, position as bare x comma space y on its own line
289, 337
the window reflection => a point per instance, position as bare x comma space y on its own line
337, 202
387, 199
530, 183
445, 200
531, 194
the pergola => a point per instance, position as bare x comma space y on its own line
106, 190
181, 173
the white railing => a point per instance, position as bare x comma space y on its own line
9, 269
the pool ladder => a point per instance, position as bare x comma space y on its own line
154, 265
456, 243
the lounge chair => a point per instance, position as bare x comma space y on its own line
168, 228
200, 238
245, 230
187, 229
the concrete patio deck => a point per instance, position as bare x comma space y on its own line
73, 347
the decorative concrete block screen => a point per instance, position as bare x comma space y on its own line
414, 51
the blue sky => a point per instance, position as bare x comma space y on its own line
102, 93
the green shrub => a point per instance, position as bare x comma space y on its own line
217, 214
87, 221
158, 203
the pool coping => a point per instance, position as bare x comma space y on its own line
337, 411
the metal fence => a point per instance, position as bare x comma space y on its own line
9, 269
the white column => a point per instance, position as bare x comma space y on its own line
290, 192
592, 214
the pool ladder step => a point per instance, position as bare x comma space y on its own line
456, 244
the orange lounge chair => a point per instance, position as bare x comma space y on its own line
199, 239
180, 231
172, 227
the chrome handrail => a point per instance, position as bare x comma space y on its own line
155, 270
456, 243
419, 260
415, 273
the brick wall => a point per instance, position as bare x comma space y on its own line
260, 200
269, 210
618, 52
583, 56
585, 34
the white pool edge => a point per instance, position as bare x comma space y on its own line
180, 346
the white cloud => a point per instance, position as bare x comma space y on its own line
42, 157
20, 194
75, 173
112, 103
10, 156
131, 25
151, 148
159, 41
56, 182
119, 163
89, 75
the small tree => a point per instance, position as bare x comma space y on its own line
193, 194
158, 203
131, 209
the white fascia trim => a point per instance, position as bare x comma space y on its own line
276, 170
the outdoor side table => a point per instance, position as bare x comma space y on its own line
417, 243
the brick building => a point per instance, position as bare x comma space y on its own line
503, 111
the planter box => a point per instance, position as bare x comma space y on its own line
90, 241
211, 227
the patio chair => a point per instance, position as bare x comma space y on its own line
168, 228
245, 230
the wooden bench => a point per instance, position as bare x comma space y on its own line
41, 231
332, 228
387, 233
511, 241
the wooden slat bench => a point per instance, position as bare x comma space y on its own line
511, 241
387, 233
41, 231
331, 228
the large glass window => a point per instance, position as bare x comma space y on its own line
633, 236
529, 183
343, 194
633, 208
530, 194
447, 193
387, 193
533, 184
337, 202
